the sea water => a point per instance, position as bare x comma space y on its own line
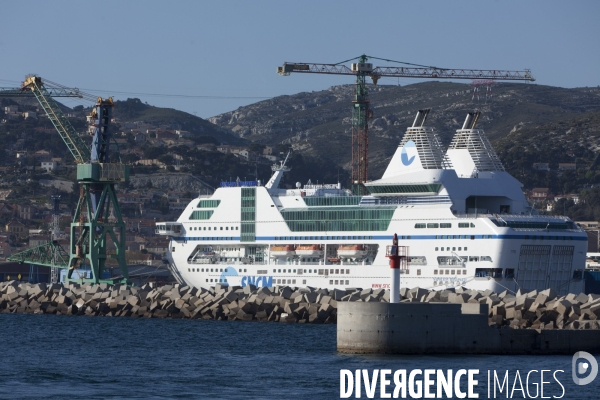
76, 357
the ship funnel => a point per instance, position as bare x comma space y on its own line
471, 120
421, 118
470, 150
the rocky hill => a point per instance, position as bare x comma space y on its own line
135, 110
319, 123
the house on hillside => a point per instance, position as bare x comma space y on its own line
5, 194
42, 155
567, 166
49, 166
17, 228
540, 194
27, 211
541, 166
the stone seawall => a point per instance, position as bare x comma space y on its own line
535, 310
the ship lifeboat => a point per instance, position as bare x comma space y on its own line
283, 251
351, 251
309, 250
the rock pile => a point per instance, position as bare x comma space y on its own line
536, 310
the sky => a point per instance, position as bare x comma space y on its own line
211, 57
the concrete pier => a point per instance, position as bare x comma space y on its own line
441, 328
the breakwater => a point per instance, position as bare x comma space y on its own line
535, 310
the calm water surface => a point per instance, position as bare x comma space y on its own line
67, 357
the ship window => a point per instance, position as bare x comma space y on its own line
445, 225
510, 273
418, 272
331, 281
464, 271
347, 272
347, 282
435, 271
436, 249
336, 282
188, 270
465, 249
459, 248
447, 248
472, 237
433, 225
173, 249
463, 224
337, 271
279, 271
454, 249
294, 281
452, 272
226, 228
304, 281
207, 280
331, 271
420, 226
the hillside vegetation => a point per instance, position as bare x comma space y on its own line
319, 123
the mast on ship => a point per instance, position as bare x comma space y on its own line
278, 171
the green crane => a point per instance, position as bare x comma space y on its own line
97, 231
361, 111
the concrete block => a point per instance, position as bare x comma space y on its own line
286, 292
337, 294
562, 306
549, 293
311, 297
582, 298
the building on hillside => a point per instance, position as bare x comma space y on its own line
183, 134
49, 166
38, 240
27, 211
567, 166
540, 194
541, 166
268, 150
573, 197
5, 194
158, 246
17, 228
42, 155
247, 155
30, 114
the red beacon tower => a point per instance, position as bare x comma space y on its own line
398, 256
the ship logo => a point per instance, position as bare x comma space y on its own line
404, 155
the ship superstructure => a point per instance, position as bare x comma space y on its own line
463, 217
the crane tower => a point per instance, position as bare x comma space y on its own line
97, 220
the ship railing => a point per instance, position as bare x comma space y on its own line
511, 216
545, 230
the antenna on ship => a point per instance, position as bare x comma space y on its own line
278, 171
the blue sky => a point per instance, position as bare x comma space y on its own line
231, 48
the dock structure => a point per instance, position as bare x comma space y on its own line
445, 328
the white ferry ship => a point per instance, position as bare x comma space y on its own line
464, 219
